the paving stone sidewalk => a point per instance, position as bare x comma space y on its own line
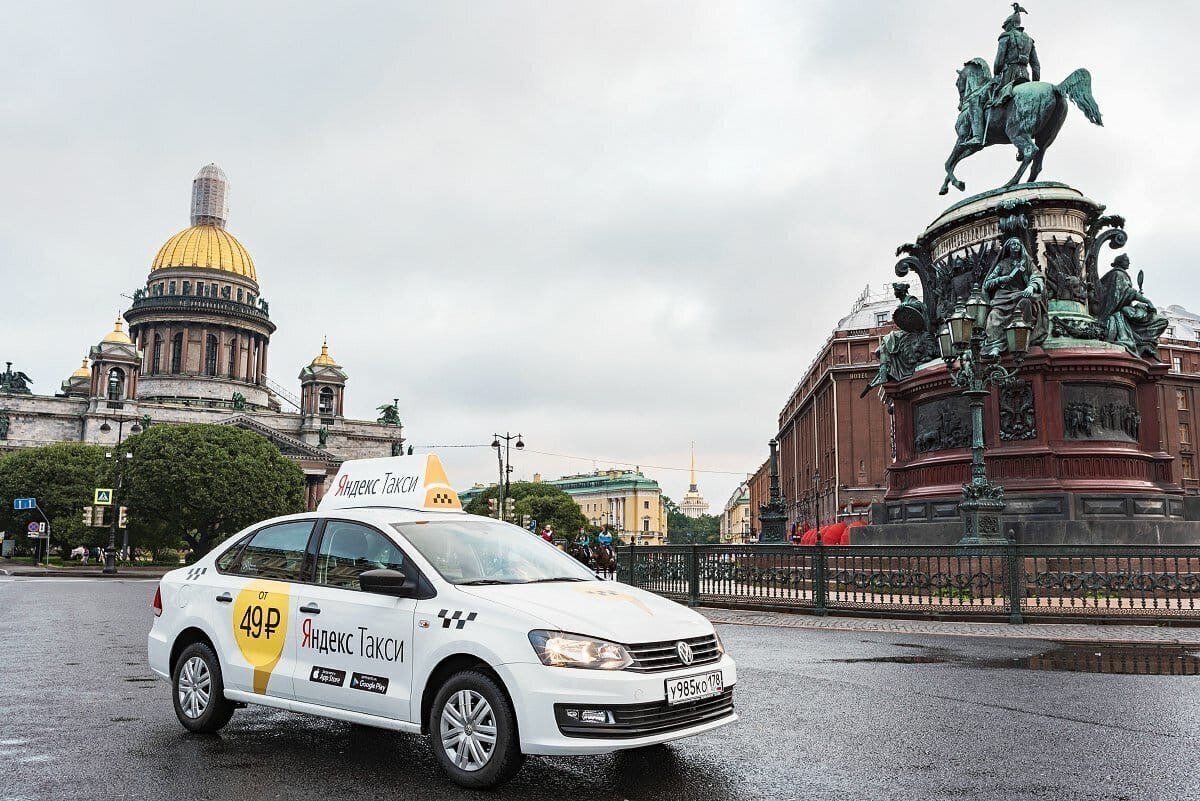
1026, 631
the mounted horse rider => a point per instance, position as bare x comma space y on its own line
1016, 56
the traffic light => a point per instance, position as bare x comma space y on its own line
87, 516
510, 508
492, 507
122, 517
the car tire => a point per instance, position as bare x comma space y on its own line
198, 690
489, 715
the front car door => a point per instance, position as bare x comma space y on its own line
253, 608
355, 648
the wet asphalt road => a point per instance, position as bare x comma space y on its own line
82, 717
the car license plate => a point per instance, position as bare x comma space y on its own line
694, 688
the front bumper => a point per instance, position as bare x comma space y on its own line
637, 699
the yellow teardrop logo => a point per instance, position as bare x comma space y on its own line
260, 619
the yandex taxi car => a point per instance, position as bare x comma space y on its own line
391, 607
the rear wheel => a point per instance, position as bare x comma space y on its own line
198, 690
473, 731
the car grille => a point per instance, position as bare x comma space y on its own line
641, 720
651, 657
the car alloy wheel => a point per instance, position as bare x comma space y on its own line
195, 687
468, 730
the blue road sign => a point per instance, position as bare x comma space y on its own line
24, 503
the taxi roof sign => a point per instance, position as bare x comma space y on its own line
406, 482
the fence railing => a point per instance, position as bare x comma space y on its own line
1008, 582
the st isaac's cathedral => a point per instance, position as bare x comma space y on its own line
196, 352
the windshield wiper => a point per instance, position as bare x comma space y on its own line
556, 578
477, 582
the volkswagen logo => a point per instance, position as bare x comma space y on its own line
685, 652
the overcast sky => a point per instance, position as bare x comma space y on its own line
614, 227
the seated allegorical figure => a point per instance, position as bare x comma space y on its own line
1014, 288
1127, 317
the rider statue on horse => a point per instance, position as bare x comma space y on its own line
1009, 103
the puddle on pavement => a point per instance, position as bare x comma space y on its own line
1135, 658
1146, 659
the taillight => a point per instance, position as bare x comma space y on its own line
156, 604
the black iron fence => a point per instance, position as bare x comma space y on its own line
1009, 582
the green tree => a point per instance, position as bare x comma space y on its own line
63, 478
545, 503
202, 483
702, 530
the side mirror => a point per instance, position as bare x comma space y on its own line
387, 582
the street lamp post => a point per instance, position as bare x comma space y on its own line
110, 553
504, 458
960, 344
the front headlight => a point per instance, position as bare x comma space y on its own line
720, 645
558, 649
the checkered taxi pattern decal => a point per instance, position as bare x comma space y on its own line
458, 618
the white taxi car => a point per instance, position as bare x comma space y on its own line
391, 607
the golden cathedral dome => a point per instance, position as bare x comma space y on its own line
323, 359
82, 371
206, 246
117, 336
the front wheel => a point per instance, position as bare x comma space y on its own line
473, 731
199, 691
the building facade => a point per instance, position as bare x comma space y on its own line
834, 443
626, 501
735, 517
196, 352
758, 488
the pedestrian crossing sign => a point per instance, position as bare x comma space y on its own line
103, 497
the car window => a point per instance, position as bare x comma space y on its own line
349, 549
276, 552
473, 550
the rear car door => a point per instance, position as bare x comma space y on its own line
253, 608
355, 648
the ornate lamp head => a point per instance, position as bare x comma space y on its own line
946, 344
962, 325
977, 307
1017, 335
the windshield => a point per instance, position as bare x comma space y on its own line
490, 552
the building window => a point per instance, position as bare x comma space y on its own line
1181, 400
1188, 467
177, 353
881, 318
239, 295
116, 384
187, 287
1177, 364
225, 292
156, 358
645, 504
1185, 434
1170, 332
233, 350
210, 355
646, 525
170, 287
325, 407
200, 289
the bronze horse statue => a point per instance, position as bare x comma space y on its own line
1030, 120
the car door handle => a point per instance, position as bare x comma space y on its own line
311, 609
225, 598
